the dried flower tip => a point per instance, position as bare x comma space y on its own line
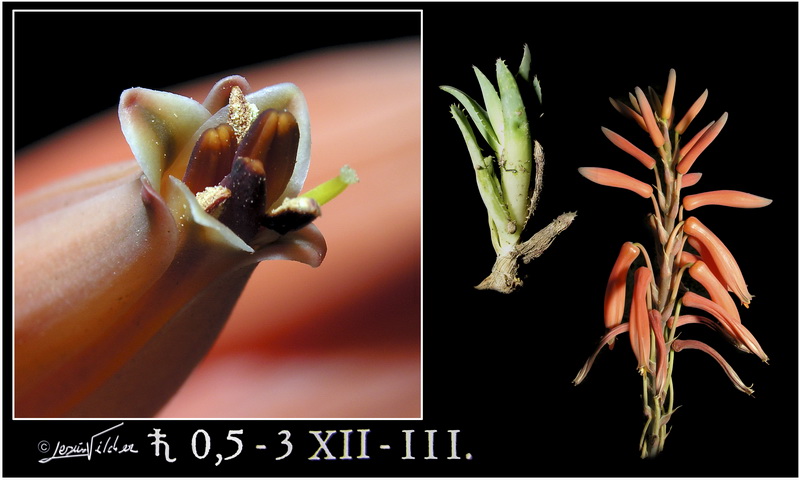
686, 162
613, 178
293, 214
716, 253
327, 191
629, 148
241, 113
609, 339
649, 118
211, 158
679, 345
666, 104
725, 198
691, 113
736, 329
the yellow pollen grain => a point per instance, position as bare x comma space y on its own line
211, 197
240, 113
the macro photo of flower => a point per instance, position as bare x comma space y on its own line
127, 271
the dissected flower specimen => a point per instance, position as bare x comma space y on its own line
510, 181
124, 276
662, 297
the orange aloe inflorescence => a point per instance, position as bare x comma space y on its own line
683, 245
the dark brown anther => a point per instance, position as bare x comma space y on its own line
257, 142
293, 214
273, 138
211, 158
282, 157
245, 207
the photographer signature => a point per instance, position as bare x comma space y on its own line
99, 443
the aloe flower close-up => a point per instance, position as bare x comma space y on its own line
163, 247
286, 341
661, 293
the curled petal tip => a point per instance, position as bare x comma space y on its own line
679, 345
738, 331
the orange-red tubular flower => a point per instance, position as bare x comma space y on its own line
685, 258
702, 254
629, 148
721, 257
661, 351
691, 113
615, 290
718, 293
639, 318
613, 178
725, 198
649, 118
741, 334
686, 162
690, 143
628, 112
690, 179
666, 104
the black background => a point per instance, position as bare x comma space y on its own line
511, 359
499, 368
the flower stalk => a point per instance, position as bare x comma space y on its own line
510, 179
681, 245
